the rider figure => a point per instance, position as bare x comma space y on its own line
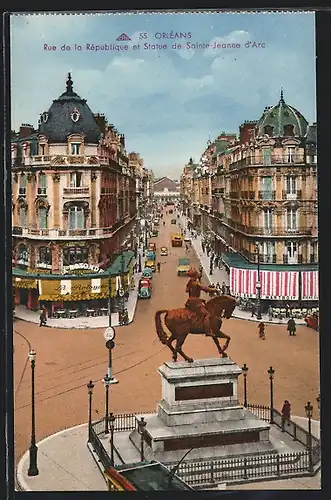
194, 303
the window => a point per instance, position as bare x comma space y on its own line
75, 148
266, 156
269, 130
268, 216
42, 213
42, 181
291, 219
45, 255
75, 255
42, 149
23, 181
23, 254
288, 130
75, 179
290, 155
266, 192
292, 252
290, 185
269, 252
23, 216
76, 218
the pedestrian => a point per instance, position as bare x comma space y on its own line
261, 328
286, 414
291, 327
270, 313
43, 316
200, 272
158, 265
203, 246
223, 288
208, 251
252, 308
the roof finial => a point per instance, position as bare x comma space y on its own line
281, 95
69, 83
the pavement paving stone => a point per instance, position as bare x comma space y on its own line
219, 275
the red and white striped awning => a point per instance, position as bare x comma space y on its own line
309, 285
275, 285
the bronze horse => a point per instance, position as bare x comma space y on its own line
181, 322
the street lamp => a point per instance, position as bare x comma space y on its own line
309, 413
271, 372
139, 263
141, 430
258, 283
112, 419
245, 370
90, 387
121, 292
33, 469
107, 381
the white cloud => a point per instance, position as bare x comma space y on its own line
198, 83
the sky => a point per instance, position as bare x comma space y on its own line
167, 101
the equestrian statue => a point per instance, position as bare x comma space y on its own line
198, 317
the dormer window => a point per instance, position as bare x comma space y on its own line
75, 148
269, 130
42, 149
45, 117
288, 130
75, 115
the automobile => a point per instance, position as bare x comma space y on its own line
147, 273
173, 221
152, 247
176, 240
144, 289
156, 222
171, 211
150, 264
151, 255
155, 233
187, 239
312, 321
163, 251
183, 266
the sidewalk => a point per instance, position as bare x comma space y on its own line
83, 322
220, 275
66, 464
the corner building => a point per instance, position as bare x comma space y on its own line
74, 208
258, 201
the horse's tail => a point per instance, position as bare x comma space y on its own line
159, 328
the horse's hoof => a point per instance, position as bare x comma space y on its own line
224, 355
190, 360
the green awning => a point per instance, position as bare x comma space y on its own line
238, 261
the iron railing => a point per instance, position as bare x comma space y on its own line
210, 472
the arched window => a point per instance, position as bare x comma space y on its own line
76, 218
42, 216
75, 255
288, 130
45, 255
23, 255
23, 214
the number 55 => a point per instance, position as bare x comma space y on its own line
142, 36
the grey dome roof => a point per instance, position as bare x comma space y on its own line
281, 115
59, 123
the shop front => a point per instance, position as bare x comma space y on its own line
82, 290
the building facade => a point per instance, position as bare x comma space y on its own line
166, 190
257, 201
74, 202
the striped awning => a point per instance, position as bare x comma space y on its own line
275, 285
309, 285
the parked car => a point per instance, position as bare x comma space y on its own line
156, 222
151, 255
150, 264
155, 233
183, 266
144, 289
163, 251
148, 273
173, 221
152, 247
187, 239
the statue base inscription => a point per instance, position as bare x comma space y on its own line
199, 409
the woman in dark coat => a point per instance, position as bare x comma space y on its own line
291, 327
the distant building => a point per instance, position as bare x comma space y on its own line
166, 190
256, 197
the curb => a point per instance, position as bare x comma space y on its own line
20, 474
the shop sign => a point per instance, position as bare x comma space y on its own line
82, 267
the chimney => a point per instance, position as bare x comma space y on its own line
25, 130
101, 121
246, 131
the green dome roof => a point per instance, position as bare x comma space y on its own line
282, 120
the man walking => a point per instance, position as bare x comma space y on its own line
261, 328
158, 265
291, 327
43, 316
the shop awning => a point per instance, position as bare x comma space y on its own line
309, 285
275, 285
25, 282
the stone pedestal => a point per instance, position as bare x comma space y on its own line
199, 409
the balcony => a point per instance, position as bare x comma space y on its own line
36, 160
296, 195
76, 192
267, 195
41, 192
22, 191
270, 231
274, 160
